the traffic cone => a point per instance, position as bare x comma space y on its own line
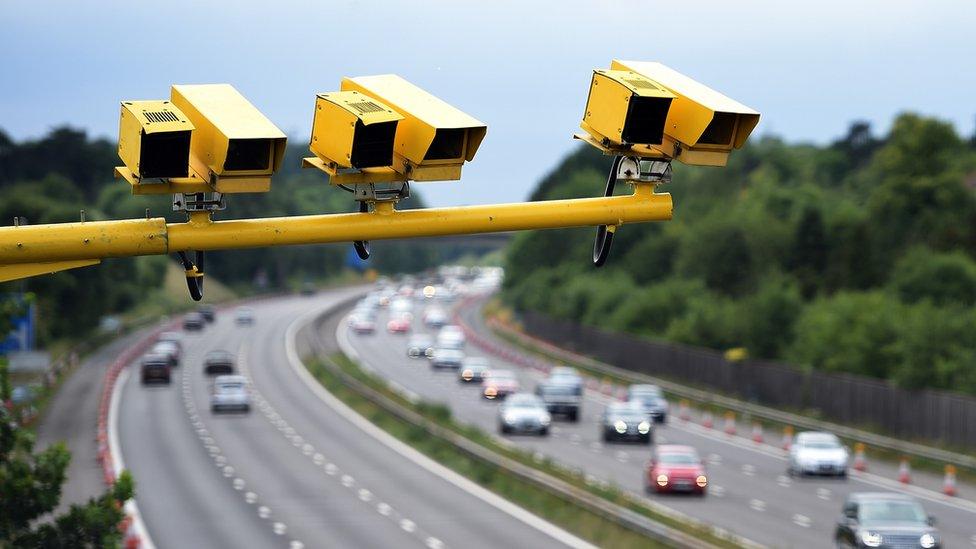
707, 419
729, 423
684, 414
860, 463
757, 432
949, 484
787, 437
904, 471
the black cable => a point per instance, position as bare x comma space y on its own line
362, 246
604, 236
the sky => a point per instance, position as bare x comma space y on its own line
522, 67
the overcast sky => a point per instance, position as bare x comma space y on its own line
522, 67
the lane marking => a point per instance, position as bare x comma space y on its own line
824, 494
115, 449
757, 505
749, 470
802, 521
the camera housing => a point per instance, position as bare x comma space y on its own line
234, 147
703, 126
351, 130
154, 141
434, 139
624, 109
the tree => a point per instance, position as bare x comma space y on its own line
30, 488
809, 255
943, 278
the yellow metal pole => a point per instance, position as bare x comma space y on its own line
102, 239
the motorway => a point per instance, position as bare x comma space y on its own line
294, 472
750, 494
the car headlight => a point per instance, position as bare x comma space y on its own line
509, 418
545, 420
662, 480
644, 428
701, 481
467, 375
927, 541
620, 426
871, 539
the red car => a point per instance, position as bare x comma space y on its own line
398, 325
499, 384
675, 468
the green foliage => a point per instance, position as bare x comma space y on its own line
853, 257
30, 488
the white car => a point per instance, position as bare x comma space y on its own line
244, 316
230, 393
524, 413
450, 337
818, 453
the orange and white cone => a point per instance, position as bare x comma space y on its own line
949, 484
787, 437
729, 423
707, 419
904, 471
757, 432
860, 462
684, 414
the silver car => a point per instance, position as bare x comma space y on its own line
651, 398
230, 393
446, 358
818, 453
420, 345
524, 413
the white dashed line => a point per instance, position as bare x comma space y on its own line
784, 481
749, 470
408, 525
348, 481
823, 494
717, 491
250, 497
383, 509
264, 511
757, 505
802, 521
279, 528
365, 495
434, 543
238, 484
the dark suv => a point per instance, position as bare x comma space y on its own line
562, 396
878, 519
155, 368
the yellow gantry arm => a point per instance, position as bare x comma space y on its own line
87, 242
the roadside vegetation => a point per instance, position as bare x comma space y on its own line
853, 257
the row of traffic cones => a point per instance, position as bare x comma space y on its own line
859, 463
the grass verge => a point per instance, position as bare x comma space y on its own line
578, 520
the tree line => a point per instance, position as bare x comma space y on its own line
857, 256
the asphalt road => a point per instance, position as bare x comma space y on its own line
750, 494
291, 473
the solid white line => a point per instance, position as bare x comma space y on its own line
115, 449
410, 453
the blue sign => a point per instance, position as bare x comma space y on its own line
354, 262
21, 337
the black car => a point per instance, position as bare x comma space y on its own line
208, 311
562, 396
218, 362
154, 368
193, 322
879, 519
626, 421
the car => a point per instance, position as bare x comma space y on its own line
498, 384
567, 375
451, 337
879, 519
244, 316
175, 337
651, 398
170, 349
675, 468
524, 413
420, 345
399, 324
818, 453
626, 421
193, 322
230, 392
473, 369
362, 324
308, 289
435, 317
218, 362
401, 306
446, 358
208, 311
561, 397
154, 368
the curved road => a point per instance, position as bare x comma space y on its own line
749, 494
294, 472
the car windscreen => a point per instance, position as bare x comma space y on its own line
820, 444
559, 390
678, 459
890, 511
229, 387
